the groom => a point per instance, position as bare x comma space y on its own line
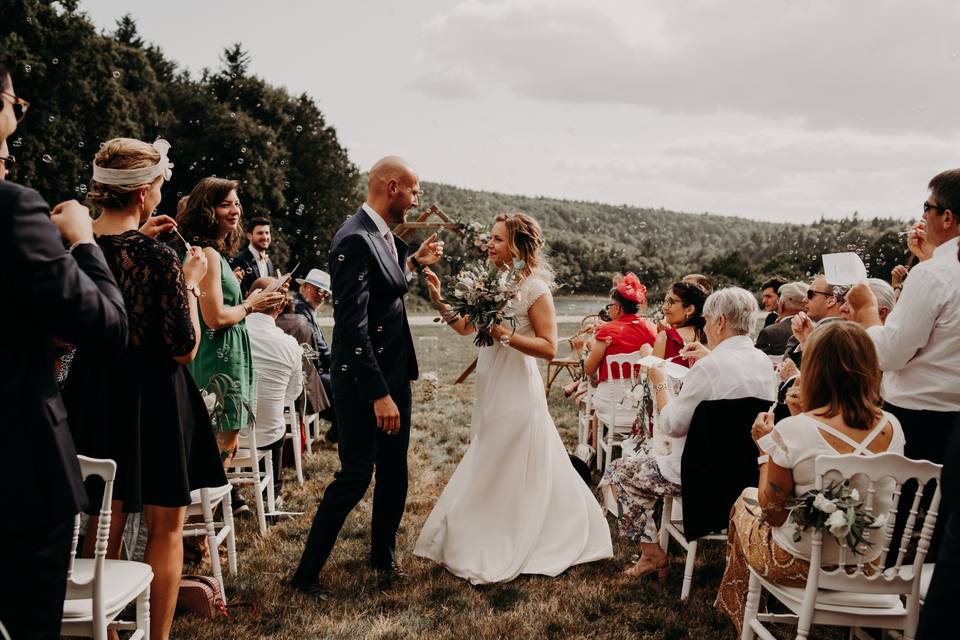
372, 364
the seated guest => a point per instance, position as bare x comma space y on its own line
841, 392
277, 359
625, 333
733, 369
683, 313
314, 290
700, 279
773, 337
886, 297
770, 299
295, 325
822, 306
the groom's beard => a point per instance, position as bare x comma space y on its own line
396, 216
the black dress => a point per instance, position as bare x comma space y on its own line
139, 406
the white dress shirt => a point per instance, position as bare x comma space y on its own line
261, 262
735, 369
277, 360
387, 235
919, 346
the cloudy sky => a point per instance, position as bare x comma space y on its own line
773, 109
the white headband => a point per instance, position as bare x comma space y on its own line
143, 175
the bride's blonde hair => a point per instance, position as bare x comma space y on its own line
525, 241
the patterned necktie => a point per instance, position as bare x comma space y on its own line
391, 246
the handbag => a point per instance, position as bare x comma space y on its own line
200, 596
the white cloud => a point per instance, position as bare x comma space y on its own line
865, 64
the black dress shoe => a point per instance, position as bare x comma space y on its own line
389, 570
311, 589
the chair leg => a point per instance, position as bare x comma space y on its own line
753, 606
297, 455
597, 433
212, 545
231, 536
688, 570
664, 520
258, 500
143, 613
271, 493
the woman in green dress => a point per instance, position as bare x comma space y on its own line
210, 218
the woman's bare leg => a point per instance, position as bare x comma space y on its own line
164, 554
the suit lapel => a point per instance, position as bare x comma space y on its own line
389, 266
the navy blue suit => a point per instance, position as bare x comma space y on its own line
372, 356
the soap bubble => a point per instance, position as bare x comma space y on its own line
55, 61
341, 257
343, 367
358, 351
46, 158
116, 74
299, 128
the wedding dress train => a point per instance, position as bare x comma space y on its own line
514, 504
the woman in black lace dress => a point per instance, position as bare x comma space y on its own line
140, 406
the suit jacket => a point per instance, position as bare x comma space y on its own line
293, 324
719, 461
372, 346
73, 297
248, 262
773, 338
305, 311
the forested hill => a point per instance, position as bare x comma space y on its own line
589, 241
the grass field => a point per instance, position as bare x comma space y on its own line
588, 601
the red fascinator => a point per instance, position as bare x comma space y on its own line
630, 288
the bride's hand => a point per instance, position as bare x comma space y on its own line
433, 285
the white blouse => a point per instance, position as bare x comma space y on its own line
794, 444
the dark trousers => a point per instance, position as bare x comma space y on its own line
363, 448
33, 579
276, 455
938, 618
927, 434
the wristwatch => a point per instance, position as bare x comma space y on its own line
195, 290
416, 263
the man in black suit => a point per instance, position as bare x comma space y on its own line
373, 362
770, 299
72, 296
773, 338
253, 261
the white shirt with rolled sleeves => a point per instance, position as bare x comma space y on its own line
735, 369
277, 360
919, 346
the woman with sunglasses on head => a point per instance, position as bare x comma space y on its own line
139, 406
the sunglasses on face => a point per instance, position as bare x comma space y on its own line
812, 292
20, 105
927, 206
8, 162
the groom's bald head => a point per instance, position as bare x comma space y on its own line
393, 188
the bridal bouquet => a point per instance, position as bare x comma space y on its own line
482, 293
836, 510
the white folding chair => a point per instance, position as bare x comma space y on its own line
615, 421
671, 526
203, 502
99, 589
245, 467
847, 594
292, 419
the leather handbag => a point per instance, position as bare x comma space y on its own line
200, 596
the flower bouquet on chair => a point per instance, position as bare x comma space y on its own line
838, 511
483, 293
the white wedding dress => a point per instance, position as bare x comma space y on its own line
514, 504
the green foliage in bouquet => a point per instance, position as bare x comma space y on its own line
223, 396
482, 292
836, 510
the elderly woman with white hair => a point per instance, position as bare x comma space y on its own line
734, 368
886, 297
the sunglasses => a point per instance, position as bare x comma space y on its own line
8, 161
813, 292
20, 105
927, 206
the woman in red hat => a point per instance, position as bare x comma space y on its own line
625, 333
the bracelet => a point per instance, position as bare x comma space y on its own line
660, 387
78, 243
764, 459
416, 263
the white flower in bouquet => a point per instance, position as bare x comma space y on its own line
854, 495
837, 524
209, 400
482, 292
879, 522
823, 504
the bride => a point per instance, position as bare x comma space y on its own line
515, 504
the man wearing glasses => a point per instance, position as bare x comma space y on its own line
6, 160
822, 305
73, 296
